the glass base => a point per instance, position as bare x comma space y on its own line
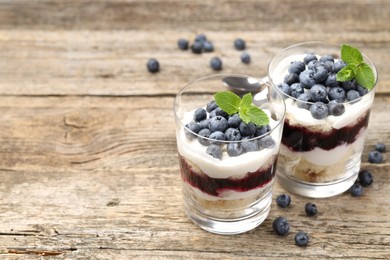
230, 226
317, 190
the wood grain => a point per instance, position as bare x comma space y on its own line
88, 158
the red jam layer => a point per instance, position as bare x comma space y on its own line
215, 186
299, 138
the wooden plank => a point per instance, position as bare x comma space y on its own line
223, 15
114, 62
82, 175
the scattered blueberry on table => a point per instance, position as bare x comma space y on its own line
301, 238
216, 63
245, 58
281, 226
356, 190
365, 178
375, 157
153, 65
239, 44
183, 44
283, 200
311, 209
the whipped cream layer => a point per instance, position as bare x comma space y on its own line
227, 166
301, 116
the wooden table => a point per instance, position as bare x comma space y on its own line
88, 159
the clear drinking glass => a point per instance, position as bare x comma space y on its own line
320, 157
232, 194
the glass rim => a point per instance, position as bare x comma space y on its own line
223, 75
324, 44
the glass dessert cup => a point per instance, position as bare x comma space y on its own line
232, 194
319, 157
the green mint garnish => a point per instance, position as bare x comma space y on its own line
356, 68
248, 112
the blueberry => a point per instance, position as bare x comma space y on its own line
319, 110
338, 65
247, 129
213, 113
232, 134
336, 108
197, 47
261, 130
380, 147
326, 57
216, 63
245, 58
200, 114
331, 81
349, 85
301, 239
204, 133
375, 157
296, 67
204, 123
328, 66
296, 90
337, 93
352, 95
309, 57
220, 112
313, 64
302, 101
266, 142
182, 44
234, 120
217, 135
193, 127
318, 93
306, 78
291, 78
365, 178
285, 88
200, 38
320, 74
362, 90
311, 209
283, 200
211, 106
215, 151
356, 190
250, 145
153, 65
239, 44
234, 149
280, 226
218, 123
208, 46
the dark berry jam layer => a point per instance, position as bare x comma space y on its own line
214, 186
299, 138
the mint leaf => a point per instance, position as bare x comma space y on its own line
248, 112
258, 116
356, 68
351, 55
228, 101
246, 100
346, 73
365, 76
244, 115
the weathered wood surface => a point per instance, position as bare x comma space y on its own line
88, 164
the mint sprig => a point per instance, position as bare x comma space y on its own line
248, 112
356, 68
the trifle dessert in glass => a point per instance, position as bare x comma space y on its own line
328, 91
228, 142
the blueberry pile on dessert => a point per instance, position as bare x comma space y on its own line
222, 132
314, 80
